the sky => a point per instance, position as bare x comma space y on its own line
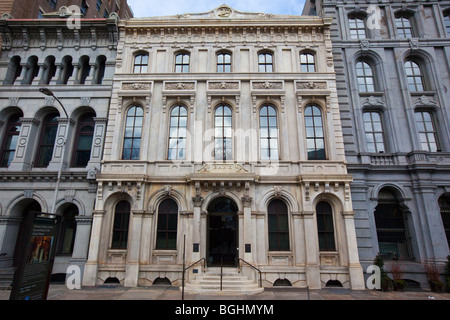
153, 8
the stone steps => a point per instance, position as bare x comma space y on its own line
232, 283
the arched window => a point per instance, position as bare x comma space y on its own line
315, 139
278, 226
166, 238
307, 62
444, 205
83, 140
265, 62
178, 133
391, 227
47, 140
10, 139
67, 69
223, 62
182, 62
414, 76
85, 69
357, 27
268, 128
68, 229
374, 131
133, 132
325, 226
140, 63
14, 70
50, 70
427, 131
365, 77
120, 225
223, 133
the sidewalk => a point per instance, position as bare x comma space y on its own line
112, 292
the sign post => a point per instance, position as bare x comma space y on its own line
32, 277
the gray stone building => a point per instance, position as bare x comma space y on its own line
224, 146
393, 80
39, 140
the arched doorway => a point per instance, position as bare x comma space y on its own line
222, 238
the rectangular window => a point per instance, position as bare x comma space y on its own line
182, 63
374, 132
265, 62
307, 63
357, 28
53, 3
84, 7
404, 29
99, 5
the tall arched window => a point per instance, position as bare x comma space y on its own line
120, 225
178, 133
268, 128
85, 69
47, 140
265, 62
67, 70
182, 62
166, 238
133, 132
307, 62
391, 227
10, 139
83, 140
414, 76
140, 63
325, 226
315, 138
32, 70
444, 205
277, 214
365, 77
223, 62
100, 69
223, 133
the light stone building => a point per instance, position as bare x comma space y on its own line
224, 145
392, 73
77, 65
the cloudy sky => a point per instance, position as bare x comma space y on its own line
152, 8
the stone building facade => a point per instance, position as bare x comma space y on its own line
393, 74
224, 142
77, 65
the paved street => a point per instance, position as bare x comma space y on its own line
60, 292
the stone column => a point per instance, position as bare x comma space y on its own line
91, 77
196, 229
354, 267
312, 251
61, 148
81, 245
74, 78
24, 151
41, 73
91, 267
248, 245
146, 236
98, 142
299, 239
132, 267
55, 79
20, 80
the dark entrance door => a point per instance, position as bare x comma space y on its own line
222, 233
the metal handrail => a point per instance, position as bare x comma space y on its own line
196, 262
259, 271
